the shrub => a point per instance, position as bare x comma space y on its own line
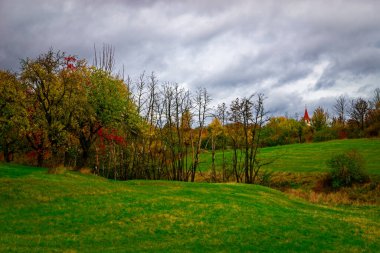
326, 134
347, 168
57, 170
265, 178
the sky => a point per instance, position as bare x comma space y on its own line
297, 53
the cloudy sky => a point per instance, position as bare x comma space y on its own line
295, 52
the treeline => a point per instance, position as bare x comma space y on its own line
61, 111
351, 118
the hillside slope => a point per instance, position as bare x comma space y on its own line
83, 213
308, 157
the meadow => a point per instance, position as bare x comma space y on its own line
307, 157
72, 212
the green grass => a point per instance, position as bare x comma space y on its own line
70, 212
308, 157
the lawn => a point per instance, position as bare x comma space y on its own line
308, 157
72, 212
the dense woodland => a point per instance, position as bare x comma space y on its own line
62, 111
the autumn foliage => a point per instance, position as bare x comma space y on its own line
59, 110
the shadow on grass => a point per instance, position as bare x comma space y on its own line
15, 171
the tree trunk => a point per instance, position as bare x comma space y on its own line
85, 145
40, 158
213, 176
7, 154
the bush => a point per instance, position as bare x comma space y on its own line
265, 177
57, 170
347, 168
326, 134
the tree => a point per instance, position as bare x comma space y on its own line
358, 111
258, 121
188, 137
340, 108
105, 59
319, 119
282, 131
215, 129
375, 99
247, 115
12, 113
235, 133
49, 95
201, 101
221, 114
106, 103
373, 116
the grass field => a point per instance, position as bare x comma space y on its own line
308, 157
71, 212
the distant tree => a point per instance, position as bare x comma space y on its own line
281, 131
105, 59
319, 119
340, 108
358, 111
373, 116
375, 99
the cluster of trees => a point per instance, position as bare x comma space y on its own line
60, 110
57, 105
175, 132
358, 117
351, 118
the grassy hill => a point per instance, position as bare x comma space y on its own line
308, 157
71, 212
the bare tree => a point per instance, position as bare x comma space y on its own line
201, 101
247, 117
340, 107
375, 99
105, 59
140, 92
258, 122
221, 114
246, 107
234, 130
358, 111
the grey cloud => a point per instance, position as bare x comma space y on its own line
231, 48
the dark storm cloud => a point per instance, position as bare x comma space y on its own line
296, 52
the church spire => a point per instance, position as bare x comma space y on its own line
306, 117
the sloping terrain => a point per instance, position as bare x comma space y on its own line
82, 213
307, 157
